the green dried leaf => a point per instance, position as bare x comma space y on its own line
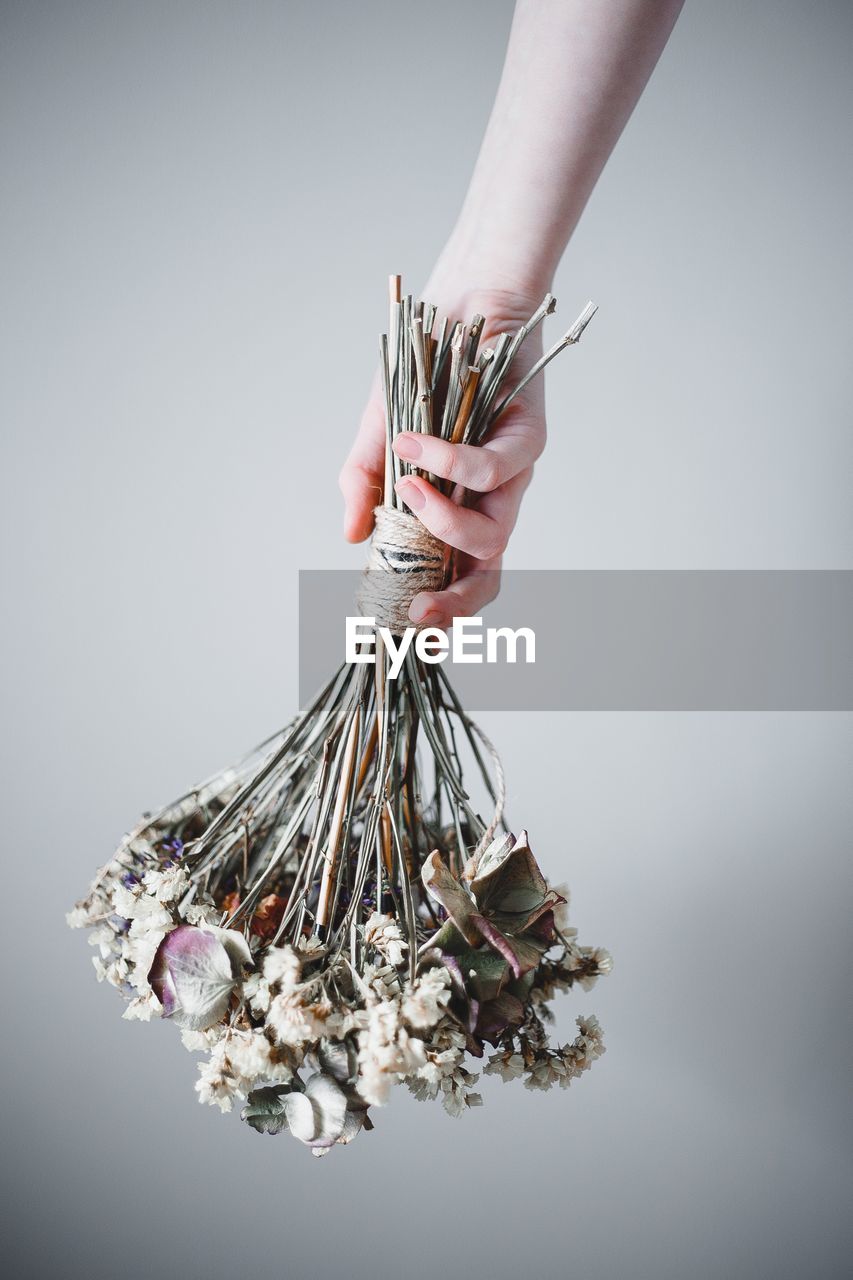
265, 1110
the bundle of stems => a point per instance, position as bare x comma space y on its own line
335, 902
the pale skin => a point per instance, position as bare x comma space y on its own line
573, 73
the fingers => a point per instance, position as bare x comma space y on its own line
362, 475
482, 532
464, 598
480, 468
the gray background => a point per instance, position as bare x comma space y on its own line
201, 204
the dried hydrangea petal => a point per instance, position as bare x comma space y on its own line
521, 955
330, 1109
193, 973
300, 1115
441, 884
498, 1014
511, 881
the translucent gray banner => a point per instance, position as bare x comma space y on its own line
633, 641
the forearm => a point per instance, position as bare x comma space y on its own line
573, 73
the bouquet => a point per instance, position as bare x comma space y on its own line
331, 916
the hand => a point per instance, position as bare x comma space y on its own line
493, 476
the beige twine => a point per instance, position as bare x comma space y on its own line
405, 558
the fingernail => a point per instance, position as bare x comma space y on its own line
420, 608
410, 493
435, 620
408, 446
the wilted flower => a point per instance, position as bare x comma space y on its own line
500, 923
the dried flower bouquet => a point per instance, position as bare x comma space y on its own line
331, 916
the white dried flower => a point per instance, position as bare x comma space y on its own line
131, 903
239, 1060
507, 1066
202, 913
79, 918
105, 938
603, 959
139, 949
456, 1095
294, 1023
384, 934
309, 946
425, 1000
382, 981
118, 973
544, 1073
282, 968
387, 1051
201, 1041
167, 885
566, 1064
561, 909
149, 920
142, 1009
256, 990
442, 1072
589, 1043
216, 1086
343, 1021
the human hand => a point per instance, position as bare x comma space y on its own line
492, 476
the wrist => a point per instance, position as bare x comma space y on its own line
468, 277
492, 245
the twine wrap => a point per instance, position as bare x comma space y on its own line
404, 558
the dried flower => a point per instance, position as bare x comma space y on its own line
379, 931
383, 933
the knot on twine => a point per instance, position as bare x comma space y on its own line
404, 558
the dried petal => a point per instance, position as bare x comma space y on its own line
509, 879
484, 972
520, 954
338, 1059
193, 973
498, 1014
330, 1109
301, 1116
441, 884
268, 916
